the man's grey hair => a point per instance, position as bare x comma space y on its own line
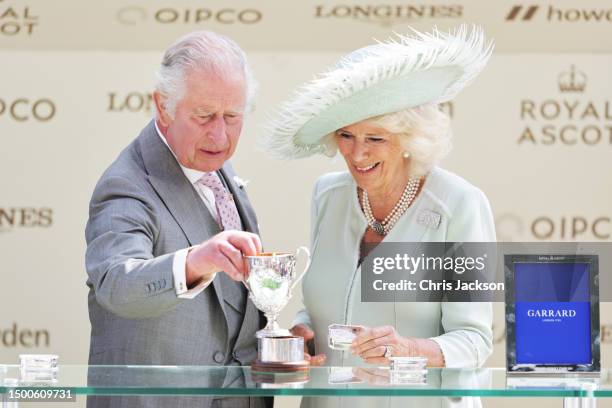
205, 50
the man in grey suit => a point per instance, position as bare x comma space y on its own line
168, 226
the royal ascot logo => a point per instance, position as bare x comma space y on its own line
131, 102
18, 336
512, 228
554, 14
133, 15
572, 81
16, 21
569, 118
389, 14
12, 218
26, 109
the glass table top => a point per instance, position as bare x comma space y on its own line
318, 381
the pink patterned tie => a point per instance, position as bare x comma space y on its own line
224, 202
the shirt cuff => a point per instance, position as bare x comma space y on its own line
179, 273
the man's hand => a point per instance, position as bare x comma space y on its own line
223, 252
303, 331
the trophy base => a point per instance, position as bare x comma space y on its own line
280, 354
278, 332
286, 367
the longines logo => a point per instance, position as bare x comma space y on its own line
568, 119
130, 102
25, 109
390, 14
554, 14
510, 227
17, 336
17, 21
132, 15
12, 218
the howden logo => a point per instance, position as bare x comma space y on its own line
553, 14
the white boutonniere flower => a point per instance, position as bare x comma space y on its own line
241, 183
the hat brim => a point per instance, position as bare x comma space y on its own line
385, 97
377, 80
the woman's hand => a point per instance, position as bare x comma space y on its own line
372, 343
303, 331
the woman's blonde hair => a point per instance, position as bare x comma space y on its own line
424, 132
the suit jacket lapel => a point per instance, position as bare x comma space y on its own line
245, 210
177, 193
247, 215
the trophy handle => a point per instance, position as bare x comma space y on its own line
303, 249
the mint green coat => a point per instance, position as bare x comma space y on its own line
332, 286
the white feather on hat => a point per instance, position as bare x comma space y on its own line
386, 77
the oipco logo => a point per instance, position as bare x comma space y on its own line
133, 15
27, 109
12, 218
511, 227
17, 21
130, 102
389, 14
567, 118
555, 14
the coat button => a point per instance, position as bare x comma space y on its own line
219, 357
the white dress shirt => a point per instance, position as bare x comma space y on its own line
179, 262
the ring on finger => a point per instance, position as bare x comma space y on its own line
388, 351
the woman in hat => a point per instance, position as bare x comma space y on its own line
379, 108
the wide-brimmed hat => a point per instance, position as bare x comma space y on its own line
401, 73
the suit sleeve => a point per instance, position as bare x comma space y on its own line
127, 278
468, 335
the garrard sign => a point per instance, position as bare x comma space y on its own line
568, 118
389, 14
17, 20
133, 15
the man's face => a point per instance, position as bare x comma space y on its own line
206, 126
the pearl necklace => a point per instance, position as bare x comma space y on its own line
383, 227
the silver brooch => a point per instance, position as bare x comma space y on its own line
429, 219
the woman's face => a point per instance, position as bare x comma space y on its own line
374, 157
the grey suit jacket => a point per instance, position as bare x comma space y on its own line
143, 209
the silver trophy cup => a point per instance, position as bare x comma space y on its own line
271, 280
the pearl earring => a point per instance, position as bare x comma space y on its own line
405, 155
